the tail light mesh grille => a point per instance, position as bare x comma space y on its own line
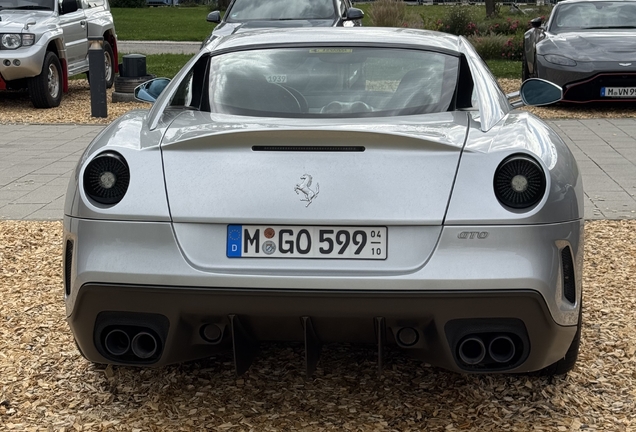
68, 263
569, 283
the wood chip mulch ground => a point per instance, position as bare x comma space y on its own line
16, 107
46, 385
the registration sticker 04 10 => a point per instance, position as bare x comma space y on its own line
275, 241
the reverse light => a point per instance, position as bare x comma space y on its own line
559, 60
519, 182
106, 178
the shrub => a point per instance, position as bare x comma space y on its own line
497, 46
456, 20
388, 13
128, 3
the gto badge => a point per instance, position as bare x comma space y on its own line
304, 187
472, 235
625, 64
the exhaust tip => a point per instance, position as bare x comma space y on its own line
144, 345
472, 351
501, 349
117, 342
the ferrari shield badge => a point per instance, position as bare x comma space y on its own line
305, 187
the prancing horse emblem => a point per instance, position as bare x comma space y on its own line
304, 188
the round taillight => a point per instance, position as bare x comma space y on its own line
519, 182
106, 178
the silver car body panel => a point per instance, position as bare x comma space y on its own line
428, 179
426, 148
147, 253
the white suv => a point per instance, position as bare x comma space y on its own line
43, 42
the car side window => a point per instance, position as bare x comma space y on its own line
189, 94
80, 6
87, 4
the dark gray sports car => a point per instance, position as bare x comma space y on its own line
244, 15
588, 47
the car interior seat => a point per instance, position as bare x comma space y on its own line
414, 91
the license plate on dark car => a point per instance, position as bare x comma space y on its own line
276, 241
618, 92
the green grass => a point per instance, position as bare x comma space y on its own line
162, 23
189, 24
164, 65
505, 68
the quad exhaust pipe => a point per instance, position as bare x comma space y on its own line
472, 350
501, 349
497, 349
117, 342
144, 344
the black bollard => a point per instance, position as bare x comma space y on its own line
97, 72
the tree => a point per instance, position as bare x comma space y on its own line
490, 8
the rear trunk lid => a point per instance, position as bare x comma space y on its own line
223, 171
230, 172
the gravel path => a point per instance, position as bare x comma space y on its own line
15, 107
45, 383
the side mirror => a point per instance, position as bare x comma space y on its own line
150, 90
537, 92
29, 23
354, 14
214, 17
68, 6
536, 22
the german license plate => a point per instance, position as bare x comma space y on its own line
276, 241
618, 92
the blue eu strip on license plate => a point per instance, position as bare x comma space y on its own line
234, 240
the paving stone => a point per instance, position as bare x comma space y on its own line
36, 162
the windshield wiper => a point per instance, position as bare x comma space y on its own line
31, 7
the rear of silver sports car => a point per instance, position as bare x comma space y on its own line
404, 236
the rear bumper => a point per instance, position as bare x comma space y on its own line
134, 276
441, 320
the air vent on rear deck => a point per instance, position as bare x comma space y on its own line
309, 148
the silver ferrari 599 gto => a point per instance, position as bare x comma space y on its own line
360, 185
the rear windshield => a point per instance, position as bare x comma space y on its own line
332, 82
272, 10
594, 15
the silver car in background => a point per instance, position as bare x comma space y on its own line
364, 185
44, 42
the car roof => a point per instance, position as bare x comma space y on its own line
380, 36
